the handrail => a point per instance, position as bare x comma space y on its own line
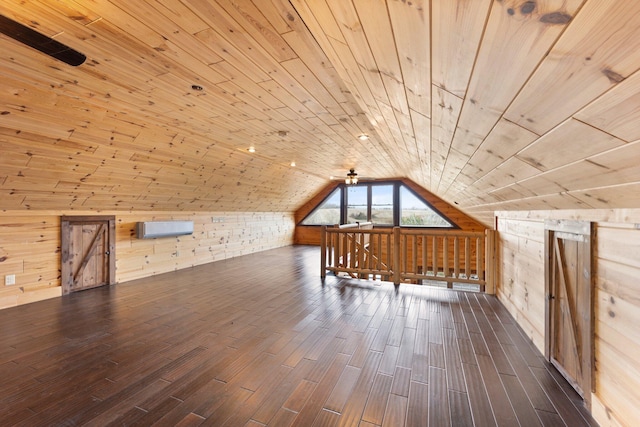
409, 255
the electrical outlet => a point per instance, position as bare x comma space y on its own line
10, 279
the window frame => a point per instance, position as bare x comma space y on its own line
396, 206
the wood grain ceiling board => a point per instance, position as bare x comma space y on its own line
456, 30
445, 113
503, 142
598, 51
570, 141
516, 38
410, 22
509, 104
618, 111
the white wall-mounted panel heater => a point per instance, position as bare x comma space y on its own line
152, 229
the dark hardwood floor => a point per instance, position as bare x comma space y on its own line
260, 340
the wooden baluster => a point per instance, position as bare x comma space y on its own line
379, 252
445, 257
414, 255
366, 252
396, 255
403, 253
360, 252
425, 266
323, 252
353, 261
434, 251
456, 257
345, 250
479, 260
329, 254
467, 257
338, 249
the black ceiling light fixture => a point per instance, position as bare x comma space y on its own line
38, 41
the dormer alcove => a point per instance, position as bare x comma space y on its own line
310, 234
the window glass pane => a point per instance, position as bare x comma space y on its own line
382, 204
356, 204
415, 212
327, 213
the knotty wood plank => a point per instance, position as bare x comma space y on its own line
616, 111
595, 65
456, 30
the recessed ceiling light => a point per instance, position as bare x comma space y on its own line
251, 149
293, 164
197, 87
363, 137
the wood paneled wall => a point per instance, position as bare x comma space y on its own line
30, 246
617, 298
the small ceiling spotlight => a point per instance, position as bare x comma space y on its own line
293, 164
363, 137
197, 88
251, 149
352, 177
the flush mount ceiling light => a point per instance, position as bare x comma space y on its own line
293, 164
40, 42
251, 149
352, 177
363, 137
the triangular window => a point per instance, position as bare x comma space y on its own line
415, 212
382, 203
327, 212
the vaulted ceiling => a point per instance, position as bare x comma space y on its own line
491, 105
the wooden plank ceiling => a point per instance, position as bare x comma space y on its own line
492, 105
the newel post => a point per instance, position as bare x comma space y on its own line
323, 252
396, 255
491, 260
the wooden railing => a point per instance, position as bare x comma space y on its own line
410, 255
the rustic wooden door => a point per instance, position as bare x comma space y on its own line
569, 308
88, 252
